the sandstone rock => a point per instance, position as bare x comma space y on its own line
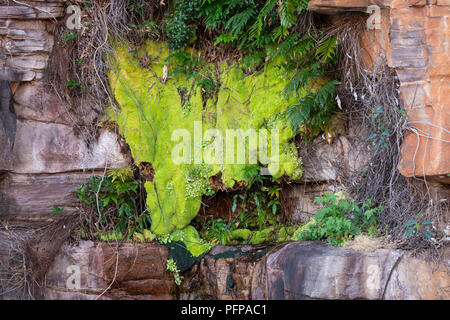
413, 40
7, 126
297, 200
33, 10
323, 162
50, 148
141, 272
337, 6
37, 101
227, 273
29, 198
314, 270
24, 50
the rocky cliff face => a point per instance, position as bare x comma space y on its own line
298, 270
43, 160
413, 37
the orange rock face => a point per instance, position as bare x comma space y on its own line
419, 52
414, 39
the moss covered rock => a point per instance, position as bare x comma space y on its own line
171, 122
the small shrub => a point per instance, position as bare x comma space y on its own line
111, 204
340, 220
57, 211
218, 231
178, 26
416, 228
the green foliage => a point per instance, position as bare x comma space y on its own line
87, 5
72, 83
172, 267
384, 128
260, 200
57, 211
136, 6
122, 174
251, 24
68, 35
340, 220
179, 26
419, 227
310, 57
218, 230
112, 199
197, 181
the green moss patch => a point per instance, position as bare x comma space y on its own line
158, 108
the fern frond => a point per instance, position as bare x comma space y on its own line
286, 46
326, 50
237, 22
286, 11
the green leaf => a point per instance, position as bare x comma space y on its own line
327, 49
408, 232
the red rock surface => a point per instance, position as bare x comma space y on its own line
414, 38
140, 273
313, 270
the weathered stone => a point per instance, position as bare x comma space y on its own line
28, 198
24, 50
140, 274
297, 200
314, 270
38, 101
7, 126
414, 40
336, 6
227, 273
49, 148
318, 271
32, 10
323, 161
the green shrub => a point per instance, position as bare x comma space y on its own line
340, 220
178, 26
418, 227
111, 204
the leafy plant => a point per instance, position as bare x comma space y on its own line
261, 198
112, 203
68, 35
136, 6
72, 83
172, 267
57, 211
417, 227
197, 181
384, 129
340, 220
218, 230
179, 26
310, 57
251, 24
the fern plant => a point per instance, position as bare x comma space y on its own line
310, 57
